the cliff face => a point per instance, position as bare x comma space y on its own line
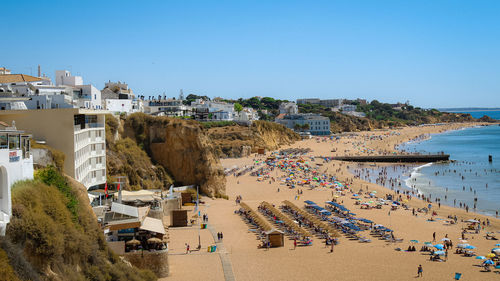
124, 157
240, 141
182, 147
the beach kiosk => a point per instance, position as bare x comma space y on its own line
275, 237
178, 218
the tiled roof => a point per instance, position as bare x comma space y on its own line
15, 78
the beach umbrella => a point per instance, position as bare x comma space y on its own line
480, 258
490, 255
489, 262
470, 247
439, 253
462, 245
497, 245
472, 221
464, 241
154, 240
133, 242
497, 251
374, 191
445, 239
439, 246
494, 249
414, 241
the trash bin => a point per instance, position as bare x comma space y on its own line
458, 275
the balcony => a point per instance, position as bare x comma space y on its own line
89, 126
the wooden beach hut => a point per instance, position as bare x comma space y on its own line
178, 218
276, 237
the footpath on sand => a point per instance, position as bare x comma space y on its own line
227, 267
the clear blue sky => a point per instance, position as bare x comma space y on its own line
434, 53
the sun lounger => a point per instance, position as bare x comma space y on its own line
364, 240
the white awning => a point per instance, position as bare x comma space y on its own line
153, 225
124, 209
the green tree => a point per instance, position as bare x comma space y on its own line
238, 107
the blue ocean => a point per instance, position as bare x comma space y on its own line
469, 176
468, 180
495, 114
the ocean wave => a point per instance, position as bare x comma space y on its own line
415, 175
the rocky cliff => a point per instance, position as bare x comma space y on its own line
239, 141
124, 157
182, 147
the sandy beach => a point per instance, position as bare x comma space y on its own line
351, 260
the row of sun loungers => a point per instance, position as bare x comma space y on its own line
320, 227
288, 226
253, 218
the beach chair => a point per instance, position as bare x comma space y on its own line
364, 240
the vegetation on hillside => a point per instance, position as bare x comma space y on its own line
53, 234
238, 140
126, 157
380, 115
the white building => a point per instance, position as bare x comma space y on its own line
317, 124
89, 97
4, 70
64, 77
247, 115
288, 108
167, 107
85, 96
118, 106
16, 163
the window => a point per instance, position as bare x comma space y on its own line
4, 143
14, 141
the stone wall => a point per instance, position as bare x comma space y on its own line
156, 261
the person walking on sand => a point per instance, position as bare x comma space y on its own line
420, 271
294, 243
331, 249
187, 248
434, 237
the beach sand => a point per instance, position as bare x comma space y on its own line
350, 260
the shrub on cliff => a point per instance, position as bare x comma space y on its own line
55, 243
127, 157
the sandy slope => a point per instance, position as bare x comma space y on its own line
351, 260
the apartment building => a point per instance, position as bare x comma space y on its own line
78, 133
317, 124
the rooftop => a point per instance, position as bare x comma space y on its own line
15, 78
